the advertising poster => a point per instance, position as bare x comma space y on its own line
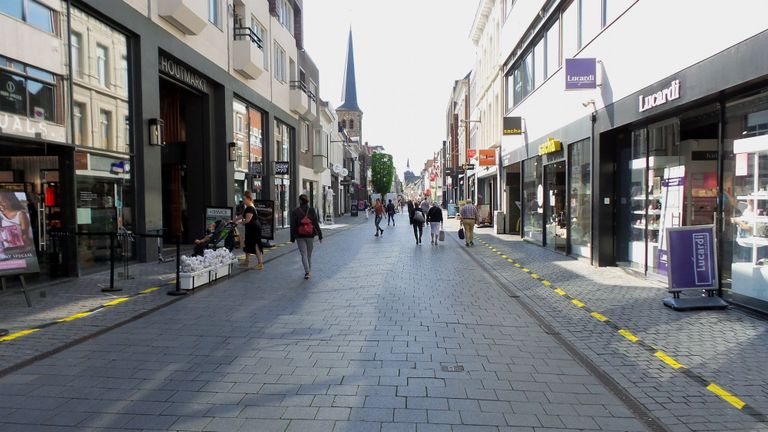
692, 257
17, 245
265, 211
213, 214
672, 195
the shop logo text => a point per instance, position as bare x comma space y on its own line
660, 98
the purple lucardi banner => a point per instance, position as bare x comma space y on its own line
580, 73
692, 257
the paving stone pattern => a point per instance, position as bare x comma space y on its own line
728, 347
359, 347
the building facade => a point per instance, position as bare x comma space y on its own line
138, 116
666, 137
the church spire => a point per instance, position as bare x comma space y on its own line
349, 91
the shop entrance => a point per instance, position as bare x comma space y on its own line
556, 226
672, 181
183, 161
514, 205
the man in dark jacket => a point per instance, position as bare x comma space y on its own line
304, 235
435, 219
390, 213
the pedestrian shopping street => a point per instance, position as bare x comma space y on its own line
393, 336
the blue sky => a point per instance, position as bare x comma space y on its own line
407, 56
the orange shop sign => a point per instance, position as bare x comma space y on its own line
488, 157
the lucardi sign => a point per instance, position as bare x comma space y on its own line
659, 98
580, 73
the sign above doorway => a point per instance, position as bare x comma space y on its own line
551, 146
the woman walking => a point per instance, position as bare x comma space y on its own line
435, 219
252, 241
304, 227
417, 221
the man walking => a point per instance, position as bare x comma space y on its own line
390, 213
468, 215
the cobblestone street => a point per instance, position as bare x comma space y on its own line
391, 336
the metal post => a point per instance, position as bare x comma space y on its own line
178, 291
111, 265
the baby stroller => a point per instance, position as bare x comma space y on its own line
223, 232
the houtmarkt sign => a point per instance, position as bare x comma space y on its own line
172, 68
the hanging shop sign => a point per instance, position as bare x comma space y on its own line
580, 73
17, 244
471, 153
265, 211
659, 98
551, 146
257, 169
513, 125
487, 157
282, 167
181, 73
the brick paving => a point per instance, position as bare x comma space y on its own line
724, 347
374, 342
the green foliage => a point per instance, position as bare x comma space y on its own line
382, 172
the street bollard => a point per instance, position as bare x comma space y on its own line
178, 291
112, 287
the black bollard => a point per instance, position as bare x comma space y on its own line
112, 287
178, 291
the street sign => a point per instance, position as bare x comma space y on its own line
469, 167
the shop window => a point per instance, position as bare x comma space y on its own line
533, 200
13, 93
580, 197
41, 100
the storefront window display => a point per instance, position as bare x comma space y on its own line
580, 232
533, 200
104, 194
284, 136
745, 225
247, 135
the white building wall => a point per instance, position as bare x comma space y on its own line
652, 40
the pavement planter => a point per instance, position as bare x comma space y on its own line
190, 281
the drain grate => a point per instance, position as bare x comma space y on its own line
452, 368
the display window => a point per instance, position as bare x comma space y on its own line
533, 200
745, 223
580, 198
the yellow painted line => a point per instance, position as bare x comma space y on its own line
577, 303
517, 265
599, 316
526, 270
627, 334
21, 333
559, 291
493, 249
116, 301
731, 399
149, 290
504, 256
510, 260
668, 360
74, 317
535, 276
546, 282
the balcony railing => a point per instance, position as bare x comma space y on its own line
244, 33
301, 85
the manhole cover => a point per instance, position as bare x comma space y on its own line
452, 368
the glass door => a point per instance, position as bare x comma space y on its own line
556, 226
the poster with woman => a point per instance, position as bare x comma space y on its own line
17, 245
